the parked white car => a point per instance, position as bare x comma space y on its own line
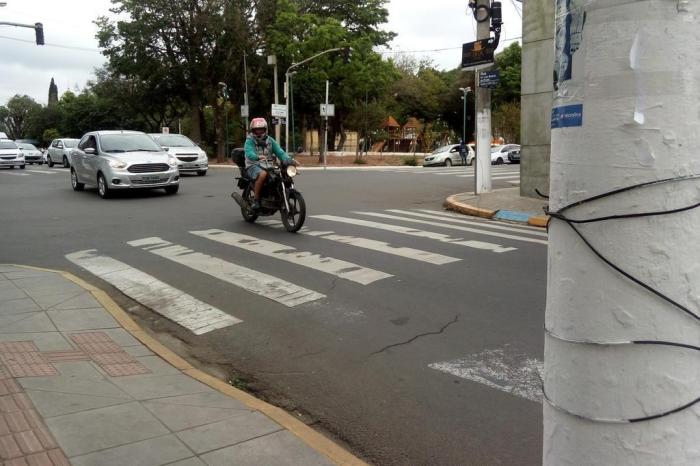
191, 158
447, 156
10, 155
60, 152
32, 155
499, 154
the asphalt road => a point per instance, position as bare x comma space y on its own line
427, 364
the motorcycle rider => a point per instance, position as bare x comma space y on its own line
260, 148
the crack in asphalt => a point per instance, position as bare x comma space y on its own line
439, 332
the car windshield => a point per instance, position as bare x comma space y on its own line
70, 143
26, 146
496, 149
128, 142
174, 140
7, 145
442, 149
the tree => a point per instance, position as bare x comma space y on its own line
506, 121
196, 44
508, 63
15, 115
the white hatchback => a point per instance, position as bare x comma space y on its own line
191, 158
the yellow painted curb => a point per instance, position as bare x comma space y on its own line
538, 221
453, 204
312, 438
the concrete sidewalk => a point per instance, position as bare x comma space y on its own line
82, 384
501, 204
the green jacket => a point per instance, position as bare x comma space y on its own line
255, 152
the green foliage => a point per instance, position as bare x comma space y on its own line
506, 121
49, 135
508, 63
410, 161
15, 116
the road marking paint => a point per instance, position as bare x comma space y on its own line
6, 172
374, 245
511, 373
330, 265
467, 222
484, 223
250, 280
45, 172
418, 233
173, 304
454, 227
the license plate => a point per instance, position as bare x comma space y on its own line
150, 178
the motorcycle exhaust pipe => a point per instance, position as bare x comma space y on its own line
239, 200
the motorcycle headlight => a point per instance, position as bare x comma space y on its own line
292, 171
118, 164
172, 161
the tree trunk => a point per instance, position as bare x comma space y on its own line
220, 132
343, 138
195, 117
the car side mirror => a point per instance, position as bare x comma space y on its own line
90, 151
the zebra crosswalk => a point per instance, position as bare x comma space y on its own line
505, 173
354, 239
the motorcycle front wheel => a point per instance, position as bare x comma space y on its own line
293, 219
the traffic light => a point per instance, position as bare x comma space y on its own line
39, 30
496, 16
347, 54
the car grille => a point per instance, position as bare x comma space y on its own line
187, 159
148, 168
157, 181
9, 157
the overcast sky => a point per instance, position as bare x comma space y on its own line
71, 53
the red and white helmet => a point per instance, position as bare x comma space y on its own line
258, 126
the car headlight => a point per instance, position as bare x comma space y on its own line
203, 155
172, 161
292, 171
118, 164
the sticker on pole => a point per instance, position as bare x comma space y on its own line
568, 116
245, 111
279, 110
327, 110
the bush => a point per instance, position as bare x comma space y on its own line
359, 161
410, 161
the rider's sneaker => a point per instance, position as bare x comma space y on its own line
255, 205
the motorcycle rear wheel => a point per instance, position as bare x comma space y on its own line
249, 215
294, 219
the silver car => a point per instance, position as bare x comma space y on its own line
59, 152
118, 160
10, 155
192, 158
447, 156
32, 155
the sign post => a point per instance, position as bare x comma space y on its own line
327, 110
489, 79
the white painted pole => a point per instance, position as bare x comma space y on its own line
245, 73
635, 69
482, 176
286, 119
325, 135
278, 130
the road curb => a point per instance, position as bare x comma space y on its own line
309, 436
451, 203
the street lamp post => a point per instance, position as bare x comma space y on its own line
288, 90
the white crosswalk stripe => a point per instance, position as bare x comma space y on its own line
481, 223
492, 225
330, 265
418, 233
373, 245
43, 172
7, 172
453, 227
173, 304
264, 285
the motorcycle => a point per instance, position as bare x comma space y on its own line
278, 194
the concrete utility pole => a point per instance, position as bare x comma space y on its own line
625, 112
272, 60
482, 176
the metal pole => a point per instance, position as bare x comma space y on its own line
286, 120
291, 110
483, 116
277, 127
245, 73
618, 392
325, 136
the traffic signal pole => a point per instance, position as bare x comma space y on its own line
622, 346
38, 29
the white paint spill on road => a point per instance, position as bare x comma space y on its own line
417, 233
454, 227
173, 304
499, 369
330, 265
256, 282
491, 225
373, 245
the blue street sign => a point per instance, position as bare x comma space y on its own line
489, 79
